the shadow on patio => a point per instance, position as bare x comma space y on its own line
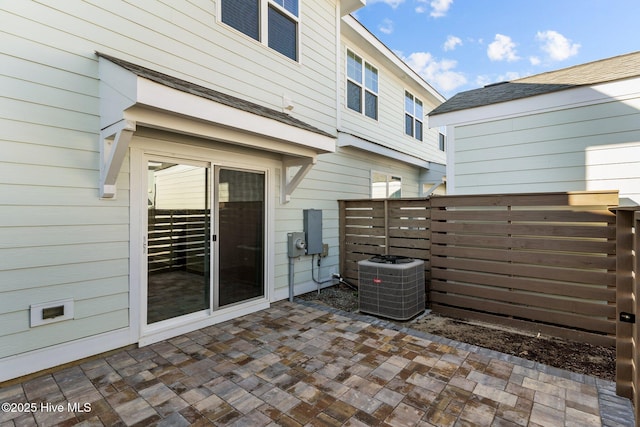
305, 364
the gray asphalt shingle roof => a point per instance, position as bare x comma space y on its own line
213, 95
605, 70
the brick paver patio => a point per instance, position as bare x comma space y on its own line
301, 364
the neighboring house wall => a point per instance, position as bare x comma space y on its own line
575, 139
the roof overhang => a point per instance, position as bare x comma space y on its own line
349, 6
130, 98
571, 97
348, 140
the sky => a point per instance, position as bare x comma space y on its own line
458, 45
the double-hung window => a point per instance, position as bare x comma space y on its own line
273, 22
413, 116
362, 86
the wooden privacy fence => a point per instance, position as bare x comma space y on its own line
543, 262
383, 227
628, 294
178, 239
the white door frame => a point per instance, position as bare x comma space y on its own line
143, 148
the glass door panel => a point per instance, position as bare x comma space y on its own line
178, 240
241, 214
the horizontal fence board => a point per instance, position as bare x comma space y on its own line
552, 259
587, 198
526, 299
537, 243
593, 292
524, 229
365, 231
409, 243
547, 316
519, 270
568, 216
525, 325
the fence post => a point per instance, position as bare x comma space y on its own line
624, 301
342, 232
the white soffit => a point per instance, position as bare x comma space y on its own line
348, 140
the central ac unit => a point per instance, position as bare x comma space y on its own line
391, 286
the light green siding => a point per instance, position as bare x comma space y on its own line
57, 238
345, 174
593, 147
389, 129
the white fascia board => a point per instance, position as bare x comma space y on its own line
158, 96
560, 100
118, 88
348, 6
401, 66
348, 140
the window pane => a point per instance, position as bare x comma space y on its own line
408, 124
371, 105
441, 142
408, 103
371, 78
243, 15
419, 130
290, 6
418, 112
354, 67
354, 93
282, 34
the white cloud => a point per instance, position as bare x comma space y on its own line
386, 27
393, 3
534, 60
440, 8
451, 43
441, 73
557, 46
502, 49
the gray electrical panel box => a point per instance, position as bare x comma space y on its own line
312, 221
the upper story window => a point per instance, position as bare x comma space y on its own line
442, 141
362, 86
413, 116
274, 22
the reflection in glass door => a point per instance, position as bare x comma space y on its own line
178, 240
241, 212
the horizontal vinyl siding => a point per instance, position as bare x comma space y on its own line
343, 175
190, 43
584, 148
388, 130
58, 240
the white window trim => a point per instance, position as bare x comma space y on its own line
264, 26
362, 85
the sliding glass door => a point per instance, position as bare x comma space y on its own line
205, 238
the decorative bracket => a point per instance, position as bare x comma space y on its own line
114, 142
304, 165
